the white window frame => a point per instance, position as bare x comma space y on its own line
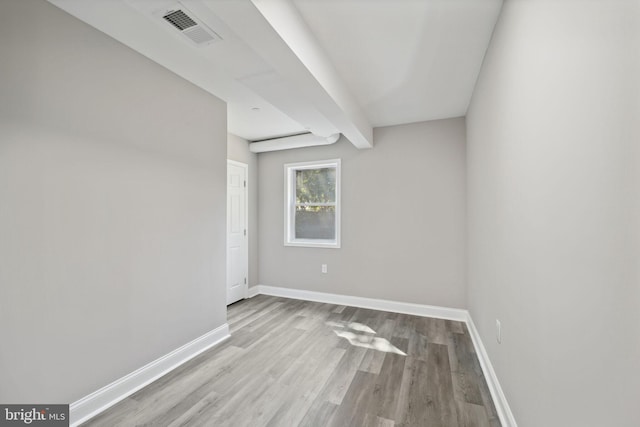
290, 204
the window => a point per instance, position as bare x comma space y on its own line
312, 204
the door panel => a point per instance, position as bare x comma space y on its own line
237, 247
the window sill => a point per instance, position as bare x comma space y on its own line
327, 244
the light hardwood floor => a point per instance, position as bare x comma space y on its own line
300, 363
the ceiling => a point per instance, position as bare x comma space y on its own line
405, 60
322, 66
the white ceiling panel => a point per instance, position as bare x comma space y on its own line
405, 60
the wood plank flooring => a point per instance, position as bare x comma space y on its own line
300, 363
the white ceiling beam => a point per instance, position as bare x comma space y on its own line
276, 31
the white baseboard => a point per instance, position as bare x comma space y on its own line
499, 399
253, 291
96, 402
362, 302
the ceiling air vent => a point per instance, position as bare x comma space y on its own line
197, 32
180, 20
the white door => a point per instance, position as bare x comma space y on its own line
237, 247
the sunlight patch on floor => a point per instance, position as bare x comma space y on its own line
360, 335
352, 325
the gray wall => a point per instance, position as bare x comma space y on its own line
112, 208
238, 150
553, 134
403, 218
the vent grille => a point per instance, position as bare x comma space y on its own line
191, 27
180, 20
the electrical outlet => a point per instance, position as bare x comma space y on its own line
324, 268
498, 331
